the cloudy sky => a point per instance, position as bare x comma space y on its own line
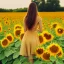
13, 4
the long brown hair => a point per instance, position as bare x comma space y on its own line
31, 15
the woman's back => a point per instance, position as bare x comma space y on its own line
37, 25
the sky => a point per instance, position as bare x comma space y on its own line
13, 4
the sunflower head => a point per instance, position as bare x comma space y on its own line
59, 31
53, 49
48, 36
45, 56
39, 51
17, 32
55, 24
4, 43
10, 37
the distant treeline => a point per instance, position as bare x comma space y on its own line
25, 10
13, 10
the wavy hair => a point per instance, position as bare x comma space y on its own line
31, 15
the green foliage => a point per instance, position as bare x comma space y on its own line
10, 55
8, 52
52, 58
17, 44
1, 35
2, 56
16, 54
17, 61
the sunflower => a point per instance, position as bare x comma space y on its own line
55, 24
0, 28
48, 36
17, 26
6, 22
4, 43
59, 31
54, 49
17, 33
10, 37
45, 56
39, 51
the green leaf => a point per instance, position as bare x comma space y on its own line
17, 44
38, 62
1, 49
12, 44
10, 58
4, 60
8, 52
58, 62
22, 58
61, 38
26, 62
17, 61
10, 62
49, 62
15, 55
52, 58
2, 56
13, 49
15, 40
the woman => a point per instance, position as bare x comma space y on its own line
30, 39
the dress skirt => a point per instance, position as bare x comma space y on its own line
29, 43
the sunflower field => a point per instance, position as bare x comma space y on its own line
51, 48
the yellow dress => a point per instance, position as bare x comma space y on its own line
29, 42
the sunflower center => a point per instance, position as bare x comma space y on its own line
54, 49
9, 38
18, 32
40, 51
54, 25
46, 56
40, 39
21, 36
60, 30
5, 42
47, 36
